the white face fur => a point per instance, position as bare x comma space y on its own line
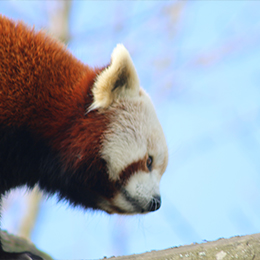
133, 139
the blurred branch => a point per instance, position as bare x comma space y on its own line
243, 42
13, 243
174, 13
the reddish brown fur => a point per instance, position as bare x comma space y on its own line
132, 169
45, 88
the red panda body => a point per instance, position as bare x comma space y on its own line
66, 127
43, 89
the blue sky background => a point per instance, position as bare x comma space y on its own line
200, 62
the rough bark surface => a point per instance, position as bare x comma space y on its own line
245, 247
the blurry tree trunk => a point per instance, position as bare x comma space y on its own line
59, 28
28, 220
59, 20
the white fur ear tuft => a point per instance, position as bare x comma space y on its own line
118, 80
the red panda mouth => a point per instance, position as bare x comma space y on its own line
153, 205
126, 204
132, 201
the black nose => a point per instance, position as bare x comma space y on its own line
155, 203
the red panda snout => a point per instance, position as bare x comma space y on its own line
140, 194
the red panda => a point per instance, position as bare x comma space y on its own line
89, 135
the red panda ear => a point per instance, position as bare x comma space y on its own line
118, 80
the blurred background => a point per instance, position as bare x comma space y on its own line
200, 63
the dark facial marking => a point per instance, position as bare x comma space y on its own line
132, 169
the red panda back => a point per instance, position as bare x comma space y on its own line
37, 74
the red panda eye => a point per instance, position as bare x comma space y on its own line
149, 163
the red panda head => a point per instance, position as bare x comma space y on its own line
133, 144
116, 148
